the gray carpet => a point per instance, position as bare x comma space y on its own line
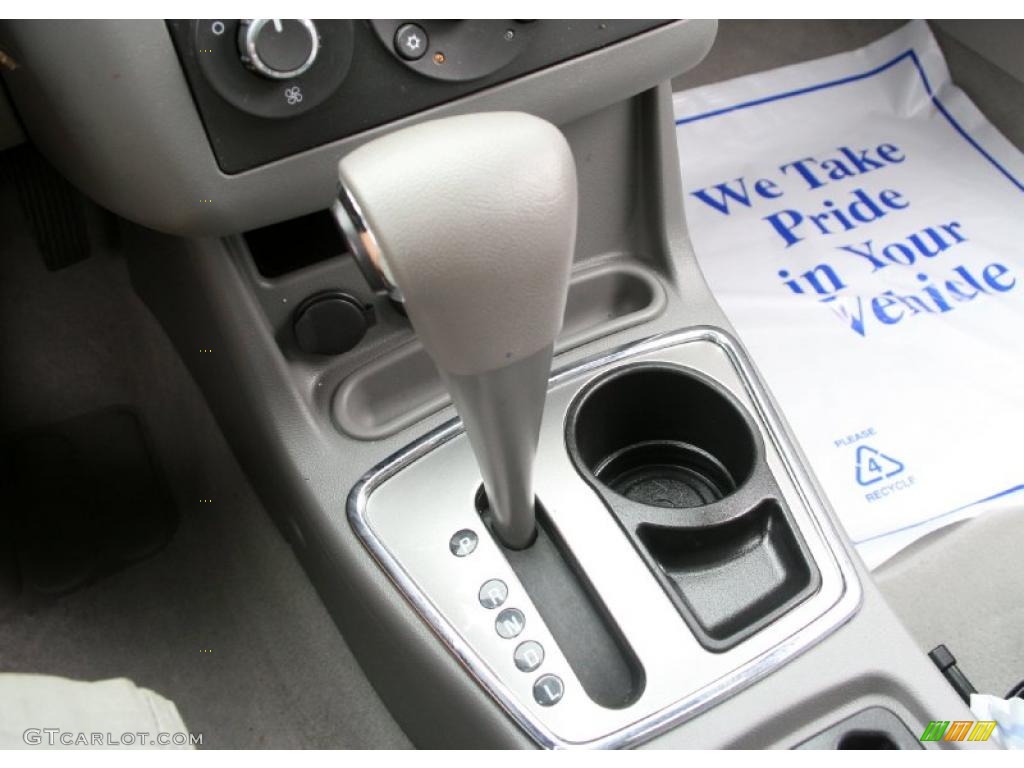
744, 47
962, 586
223, 621
993, 91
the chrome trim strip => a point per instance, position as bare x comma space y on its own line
658, 722
363, 243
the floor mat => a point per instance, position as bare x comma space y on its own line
85, 500
862, 205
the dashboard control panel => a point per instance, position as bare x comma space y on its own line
270, 68
455, 51
270, 88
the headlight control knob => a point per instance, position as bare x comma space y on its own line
278, 48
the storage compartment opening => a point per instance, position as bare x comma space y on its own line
664, 437
403, 386
732, 576
602, 296
867, 740
871, 728
295, 244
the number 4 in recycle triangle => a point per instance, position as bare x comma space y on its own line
873, 466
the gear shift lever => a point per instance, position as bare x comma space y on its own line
471, 222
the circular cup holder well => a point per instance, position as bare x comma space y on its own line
663, 436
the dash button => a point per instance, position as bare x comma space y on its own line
411, 42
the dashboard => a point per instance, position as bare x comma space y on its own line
177, 126
264, 94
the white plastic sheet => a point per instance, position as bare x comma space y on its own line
1008, 713
862, 226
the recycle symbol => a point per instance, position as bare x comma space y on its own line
873, 466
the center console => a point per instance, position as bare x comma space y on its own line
683, 554
687, 584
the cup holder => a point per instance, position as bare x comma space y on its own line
666, 473
664, 437
681, 465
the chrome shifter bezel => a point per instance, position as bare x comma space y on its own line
689, 704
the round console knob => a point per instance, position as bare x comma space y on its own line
278, 48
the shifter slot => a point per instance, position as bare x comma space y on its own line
591, 642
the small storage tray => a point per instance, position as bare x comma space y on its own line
403, 386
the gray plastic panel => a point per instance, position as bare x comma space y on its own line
870, 662
119, 121
871, 728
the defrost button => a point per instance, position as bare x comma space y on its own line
411, 42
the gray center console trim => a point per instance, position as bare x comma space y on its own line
658, 722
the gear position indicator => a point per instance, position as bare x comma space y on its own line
529, 655
493, 593
548, 690
510, 623
463, 542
